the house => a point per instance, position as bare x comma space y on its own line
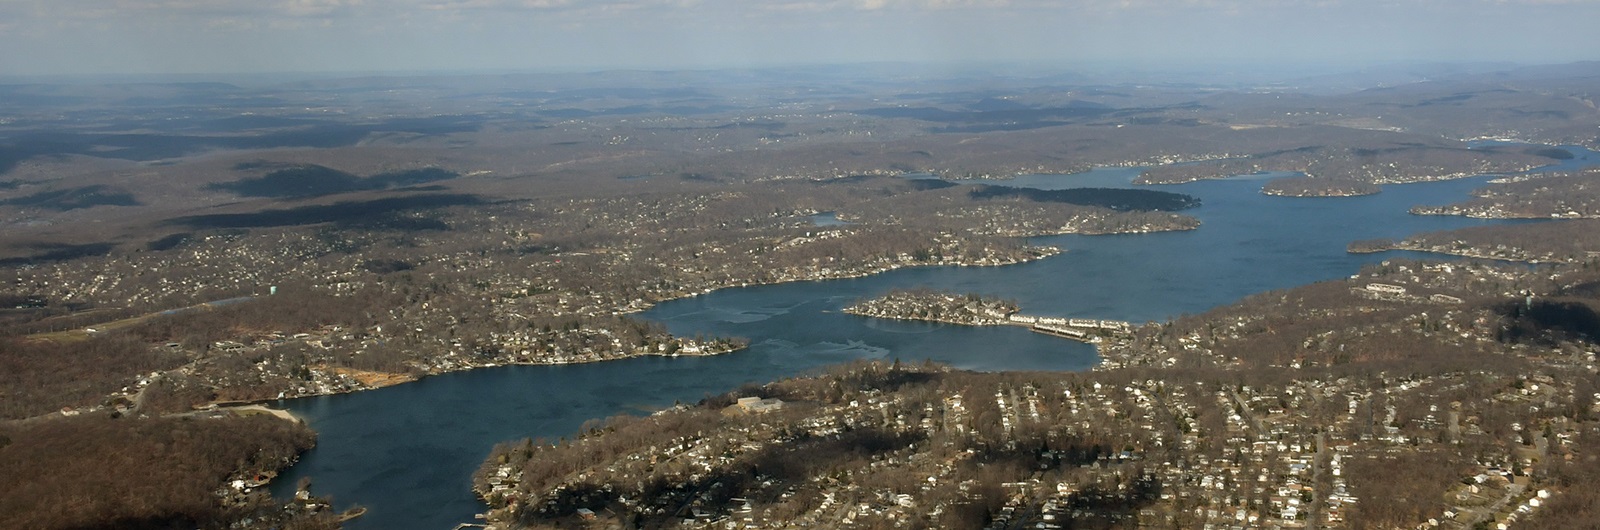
755, 405
1385, 288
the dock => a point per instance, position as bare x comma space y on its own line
1080, 329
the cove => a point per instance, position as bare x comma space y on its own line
407, 452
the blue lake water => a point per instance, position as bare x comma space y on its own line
407, 452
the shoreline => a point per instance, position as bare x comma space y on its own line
397, 379
1469, 253
257, 408
1036, 253
1030, 253
1036, 328
1106, 336
376, 380
1048, 251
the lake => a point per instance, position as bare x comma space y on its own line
408, 452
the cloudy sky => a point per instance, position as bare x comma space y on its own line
227, 36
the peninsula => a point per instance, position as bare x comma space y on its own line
975, 310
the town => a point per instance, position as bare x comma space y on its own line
1203, 422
